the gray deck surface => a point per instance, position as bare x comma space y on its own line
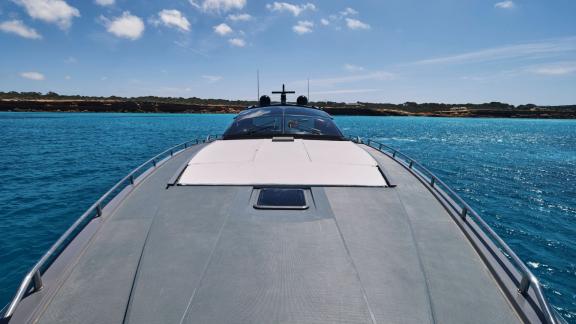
204, 255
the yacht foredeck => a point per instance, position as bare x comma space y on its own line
204, 254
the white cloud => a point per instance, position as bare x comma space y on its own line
353, 68
17, 27
222, 29
239, 17
525, 51
337, 18
36, 76
212, 78
71, 60
174, 18
52, 11
328, 82
194, 4
67, 77
505, 5
125, 26
348, 12
303, 27
296, 10
356, 24
221, 5
555, 69
238, 42
104, 2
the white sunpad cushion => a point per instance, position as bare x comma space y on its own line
264, 162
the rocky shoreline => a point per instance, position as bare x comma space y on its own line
135, 106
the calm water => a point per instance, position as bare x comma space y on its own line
519, 174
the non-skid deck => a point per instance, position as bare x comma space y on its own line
203, 254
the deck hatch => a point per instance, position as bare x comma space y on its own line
281, 198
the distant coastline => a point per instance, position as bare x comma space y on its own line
52, 102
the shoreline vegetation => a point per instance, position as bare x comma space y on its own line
53, 102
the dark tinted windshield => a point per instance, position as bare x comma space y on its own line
283, 120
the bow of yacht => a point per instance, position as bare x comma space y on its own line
282, 219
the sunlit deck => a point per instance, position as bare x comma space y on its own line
187, 254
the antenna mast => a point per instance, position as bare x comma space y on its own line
258, 83
308, 88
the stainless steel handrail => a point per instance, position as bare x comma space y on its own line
528, 280
34, 276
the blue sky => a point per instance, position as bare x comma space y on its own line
455, 51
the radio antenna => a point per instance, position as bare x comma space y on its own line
308, 89
258, 84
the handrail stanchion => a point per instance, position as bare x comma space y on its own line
37, 281
524, 284
464, 213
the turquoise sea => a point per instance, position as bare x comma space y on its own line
520, 175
